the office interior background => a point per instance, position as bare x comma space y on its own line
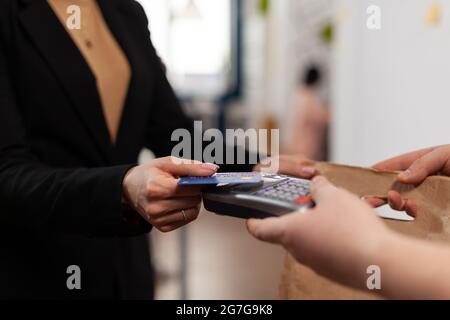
242, 64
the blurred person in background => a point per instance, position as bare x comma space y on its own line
310, 118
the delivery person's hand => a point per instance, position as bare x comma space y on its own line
152, 191
415, 167
339, 238
294, 165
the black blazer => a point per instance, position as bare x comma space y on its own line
60, 176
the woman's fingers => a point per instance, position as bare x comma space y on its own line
171, 227
178, 219
187, 191
188, 214
165, 186
160, 208
152, 190
182, 167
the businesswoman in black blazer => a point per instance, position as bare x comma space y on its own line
73, 119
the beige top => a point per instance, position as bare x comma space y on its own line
103, 55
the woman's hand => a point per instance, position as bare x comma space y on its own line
416, 167
339, 238
152, 191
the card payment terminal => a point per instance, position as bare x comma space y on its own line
275, 195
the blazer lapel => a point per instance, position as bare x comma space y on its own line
70, 67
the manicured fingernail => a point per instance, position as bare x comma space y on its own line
210, 166
405, 174
308, 171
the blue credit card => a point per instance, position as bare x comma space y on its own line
222, 178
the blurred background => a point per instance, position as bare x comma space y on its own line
336, 89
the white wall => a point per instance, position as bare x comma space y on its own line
392, 86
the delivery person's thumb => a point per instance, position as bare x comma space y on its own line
270, 230
275, 230
321, 189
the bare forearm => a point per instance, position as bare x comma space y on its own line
414, 269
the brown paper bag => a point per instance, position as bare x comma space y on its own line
432, 222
